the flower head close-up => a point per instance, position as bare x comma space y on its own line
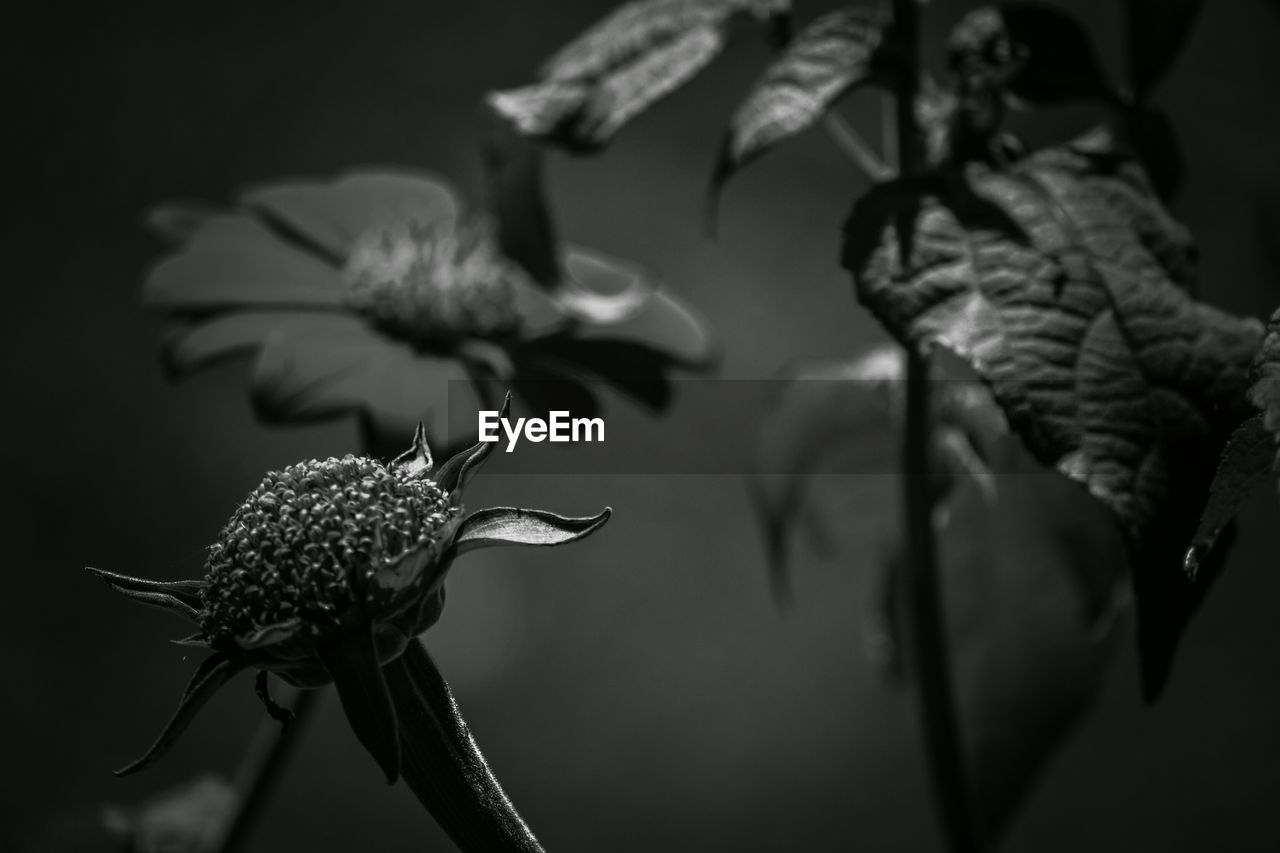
328, 571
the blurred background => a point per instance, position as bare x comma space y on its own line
638, 691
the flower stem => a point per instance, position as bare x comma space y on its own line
932, 664
855, 149
263, 763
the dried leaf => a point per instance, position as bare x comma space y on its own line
1110, 372
622, 66
1156, 31
830, 57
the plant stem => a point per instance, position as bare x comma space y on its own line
932, 664
856, 149
263, 763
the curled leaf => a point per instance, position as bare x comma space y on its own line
830, 57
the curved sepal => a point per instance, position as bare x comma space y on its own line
416, 462
512, 526
214, 672
455, 473
180, 597
444, 767
357, 673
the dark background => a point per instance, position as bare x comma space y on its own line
634, 692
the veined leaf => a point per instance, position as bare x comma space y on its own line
1265, 392
1156, 31
620, 67
831, 56
1106, 367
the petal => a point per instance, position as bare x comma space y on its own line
191, 347
511, 526
177, 222
442, 764
458, 471
357, 673
334, 364
601, 289
180, 597
214, 672
234, 260
334, 213
637, 311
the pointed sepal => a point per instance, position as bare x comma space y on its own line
512, 526
458, 471
180, 597
214, 672
415, 463
353, 664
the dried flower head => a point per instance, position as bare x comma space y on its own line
328, 570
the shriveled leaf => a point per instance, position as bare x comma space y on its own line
1109, 371
830, 57
1246, 464
622, 66
1156, 30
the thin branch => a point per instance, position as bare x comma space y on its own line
856, 149
932, 663
262, 765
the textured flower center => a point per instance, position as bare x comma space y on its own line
433, 284
306, 541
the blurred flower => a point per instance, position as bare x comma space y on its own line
327, 572
191, 818
370, 292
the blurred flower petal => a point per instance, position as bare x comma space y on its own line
192, 347
236, 261
328, 365
622, 301
600, 289
177, 222
334, 213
